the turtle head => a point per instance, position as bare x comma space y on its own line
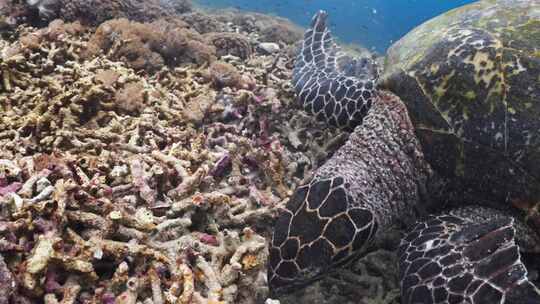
320, 229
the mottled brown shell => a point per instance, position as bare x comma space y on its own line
470, 79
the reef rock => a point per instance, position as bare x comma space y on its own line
150, 46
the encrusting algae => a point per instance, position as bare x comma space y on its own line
144, 154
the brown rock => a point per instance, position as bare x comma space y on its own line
131, 98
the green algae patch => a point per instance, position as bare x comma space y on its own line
470, 95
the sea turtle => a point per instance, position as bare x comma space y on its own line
461, 142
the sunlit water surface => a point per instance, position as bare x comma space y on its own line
375, 24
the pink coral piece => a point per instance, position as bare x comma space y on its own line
208, 239
11, 188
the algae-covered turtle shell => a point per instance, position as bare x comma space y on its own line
471, 82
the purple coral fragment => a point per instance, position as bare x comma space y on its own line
108, 298
7, 282
11, 188
208, 239
221, 166
51, 281
251, 161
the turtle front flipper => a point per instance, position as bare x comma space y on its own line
454, 259
368, 184
320, 229
325, 86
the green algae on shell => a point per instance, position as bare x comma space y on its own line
470, 80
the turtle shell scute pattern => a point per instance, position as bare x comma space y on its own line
448, 259
320, 228
469, 79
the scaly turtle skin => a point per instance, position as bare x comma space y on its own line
380, 177
328, 221
370, 181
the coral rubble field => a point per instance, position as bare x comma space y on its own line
145, 150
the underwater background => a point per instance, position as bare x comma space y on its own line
374, 24
148, 148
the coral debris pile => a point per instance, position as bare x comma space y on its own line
142, 161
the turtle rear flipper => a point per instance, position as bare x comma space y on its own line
327, 86
451, 259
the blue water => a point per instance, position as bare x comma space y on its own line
375, 24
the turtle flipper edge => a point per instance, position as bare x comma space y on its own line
451, 259
324, 88
333, 218
320, 229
